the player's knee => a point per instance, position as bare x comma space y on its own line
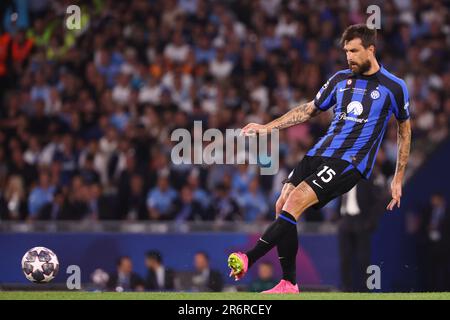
297, 197
300, 199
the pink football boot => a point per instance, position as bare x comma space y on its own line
283, 287
238, 263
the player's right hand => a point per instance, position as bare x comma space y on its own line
396, 189
252, 129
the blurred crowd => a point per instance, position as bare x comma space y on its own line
159, 277
86, 115
203, 277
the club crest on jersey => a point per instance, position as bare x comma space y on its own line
349, 81
355, 107
375, 94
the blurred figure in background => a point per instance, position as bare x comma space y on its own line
40, 195
160, 199
132, 198
159, 278
360, 210
124, 279
54, 210
13, 204
254, 203
435, 232
200, 194
205, 278
224, 206
265, 280
186, 208
99, 205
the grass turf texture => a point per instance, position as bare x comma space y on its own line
47, 295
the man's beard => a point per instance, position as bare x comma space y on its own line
361, 68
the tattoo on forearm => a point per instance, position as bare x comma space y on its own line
404, 145
297, 115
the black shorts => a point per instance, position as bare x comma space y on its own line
328, 177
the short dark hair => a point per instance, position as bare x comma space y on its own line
368, 36
266, 263
154, 254
204, 254
121, 259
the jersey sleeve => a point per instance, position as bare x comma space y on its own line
400, 105
326, 97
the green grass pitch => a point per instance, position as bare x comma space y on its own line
48, 295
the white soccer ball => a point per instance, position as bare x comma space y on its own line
40, 265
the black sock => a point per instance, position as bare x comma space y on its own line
276, 231
287, 253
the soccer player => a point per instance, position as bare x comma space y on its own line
363, 99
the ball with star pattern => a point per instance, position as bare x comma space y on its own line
40, 265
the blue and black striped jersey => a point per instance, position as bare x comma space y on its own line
362, 107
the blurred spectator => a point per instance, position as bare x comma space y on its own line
186, 208
76, 206
436, 234
13, 204
200, 195
68, 159
265, 279
254, 203
100, 206
221, 67
159, 278
33, 153
133, 204
88, 172
225, 207
177, 50
241, 178
21, 49
55, 209
160, 199
124, 279
360, 210
40, 195
205, 278
18, 166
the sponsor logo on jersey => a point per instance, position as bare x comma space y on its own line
355, 107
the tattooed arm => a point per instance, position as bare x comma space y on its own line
404, 144
295, 116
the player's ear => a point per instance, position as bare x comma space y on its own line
372, 49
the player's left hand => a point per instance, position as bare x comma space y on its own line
253, 129
396, 189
